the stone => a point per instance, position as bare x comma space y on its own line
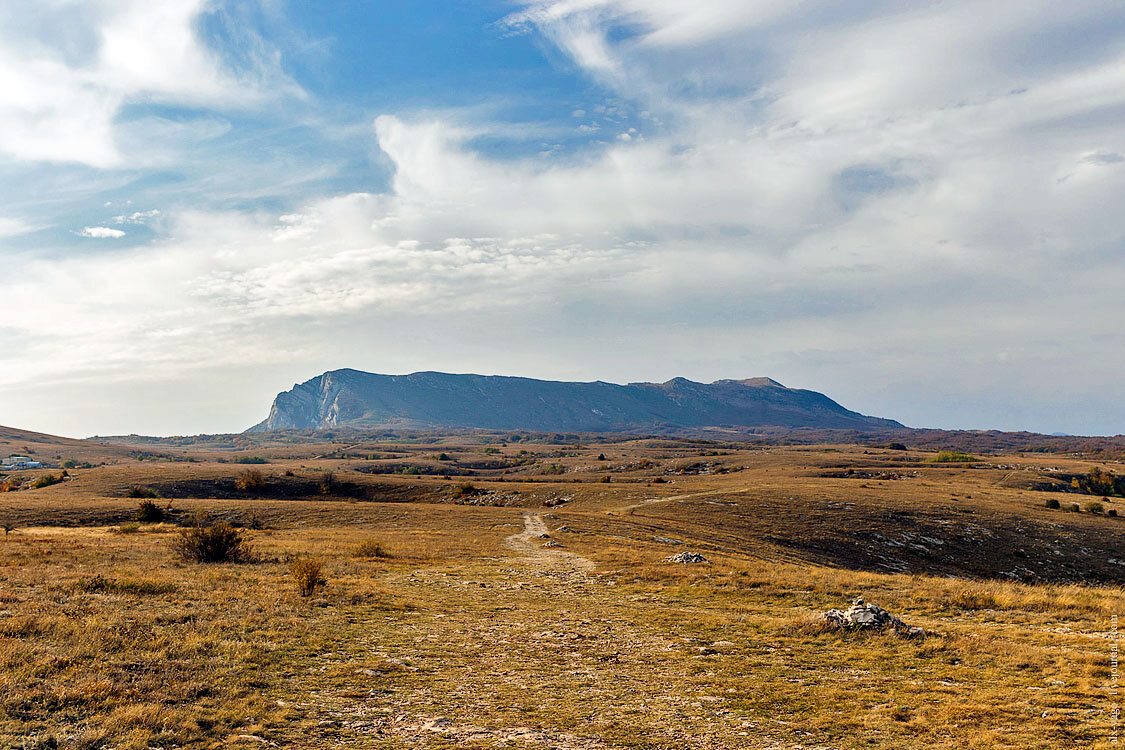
861, 615
686, 558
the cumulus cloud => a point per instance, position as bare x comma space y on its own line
911, 207
101, 232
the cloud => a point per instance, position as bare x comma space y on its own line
70, 69
101, 232
13, 227
913, 207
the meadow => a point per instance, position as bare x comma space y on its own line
480, 591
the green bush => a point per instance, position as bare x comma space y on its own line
45, 481
606, 479
213, 544
1073, 508
1052, 503
944, 457
1095, 507
137, 491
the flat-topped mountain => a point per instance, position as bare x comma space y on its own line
350, 398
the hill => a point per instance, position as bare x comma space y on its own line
350, 398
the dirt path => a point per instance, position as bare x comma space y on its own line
530, 544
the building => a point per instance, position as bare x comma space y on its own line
16, 463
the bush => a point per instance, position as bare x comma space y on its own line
370, 548
1073, 508
1112, 512
943, 457
250, 460
466, 490
606, 479
1095, 507
213, 544
131, 527
308, 575
149, 512
45, 481
1053, 503
137, 491
328, 483
250, 480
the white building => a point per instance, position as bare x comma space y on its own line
16, 463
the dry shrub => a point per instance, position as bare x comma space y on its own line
308, 574
249, 481
370, 548
213, 544
149, 512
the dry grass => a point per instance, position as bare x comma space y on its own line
112, 640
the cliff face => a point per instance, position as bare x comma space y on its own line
350, 398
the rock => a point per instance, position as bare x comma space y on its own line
866, 615
667, 540
686, 557
551, 543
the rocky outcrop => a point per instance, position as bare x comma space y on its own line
350, 398
687, 558
863, 615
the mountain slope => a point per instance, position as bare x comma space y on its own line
350, 398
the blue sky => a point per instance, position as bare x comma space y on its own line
913, 207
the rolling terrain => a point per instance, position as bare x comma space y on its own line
498, 589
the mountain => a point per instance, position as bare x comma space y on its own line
350, 398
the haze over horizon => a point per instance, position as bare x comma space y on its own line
912, 208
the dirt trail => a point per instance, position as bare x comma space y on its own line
673, 498
529, 543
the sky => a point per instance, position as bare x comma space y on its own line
913, 207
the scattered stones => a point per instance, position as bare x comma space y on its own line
551, 543
667, 540
686, 558
862, 615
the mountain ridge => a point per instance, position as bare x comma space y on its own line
353, 398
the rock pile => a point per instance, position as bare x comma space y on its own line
866, 615
686, 557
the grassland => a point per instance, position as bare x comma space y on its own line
475, 630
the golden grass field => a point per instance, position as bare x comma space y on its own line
476, 631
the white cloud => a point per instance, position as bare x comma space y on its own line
872, 201
101, 232
69, 68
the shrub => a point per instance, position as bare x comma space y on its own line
1112, 512
328, 483
130, 527
659, 480
466, 490
601, 457
606, 479
953, 457
45, 481
250, 480
1073, 508
491, 450
213, 544
370, 548
444, 457
1095, 507
553, 469
137, 491
250, 460
149, 512
1053, 503
308, 575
